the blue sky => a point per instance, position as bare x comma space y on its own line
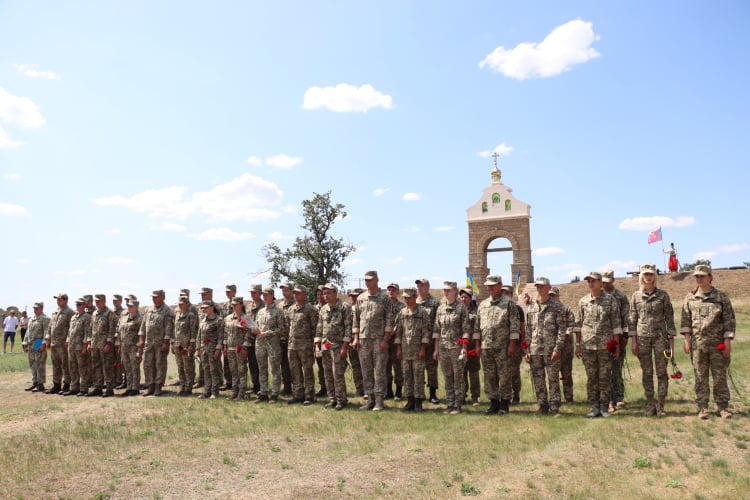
161, 144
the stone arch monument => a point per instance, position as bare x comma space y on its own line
499, 214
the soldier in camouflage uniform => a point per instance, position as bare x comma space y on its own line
618, 384
566, 362
183, 346
597, 323
332, 338
319, 359
79, 360
211, 341
517, 358
238, 327
431, 304
372, 328
303, 320
33, 344
708, 325
127, 337
413, 333
653, 330
472, 366
271, 323
89, 304
286, 302
393, 369
545, 335
256, 294
118, 312
101, 344
226, 310
497, 326
59, 326
451, 339
354, 352
157, 330
207, 295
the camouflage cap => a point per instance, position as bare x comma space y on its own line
256, 287
330, 286
648, 269
287, 284
238, 300
422, 281
371, 274
183, 300
449, 285
356, 291
117, 296
230, 288
466, 291
206, 289
185, 291
554, 291
508, 288
157, 293
100, 296
493, 279
409, 292
300, 288
130, 296
593, 275
394, 286
608, 276
541, 281
702, 270
319, 288
88, 297
207, 303
133, 303
80, 300
269, 289
61, 295
38, 304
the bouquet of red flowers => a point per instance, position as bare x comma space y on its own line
721, 346
462, 341
612, 345
472, 353
524, 345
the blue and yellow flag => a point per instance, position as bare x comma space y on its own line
518, 283
470, 283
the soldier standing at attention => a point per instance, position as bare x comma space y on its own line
127, 336
653, 329
431, 304
286, 374
319, 359
332, 338
353, 352
59, 326
89, 304
183, 347
708, 325
498, 328
413, 334
598, 333
207, 295
226, 310
515, 361
545, 335
79, 360
157, 329
34, 345
472, 366
117, 313
237, 330
393, 369
618, 384
372, 328
211, 341
303, 320
102, 347
566, 362
271, 323
451, 338
256, 292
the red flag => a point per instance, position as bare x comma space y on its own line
654, 236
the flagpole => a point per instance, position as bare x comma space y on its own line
663, 255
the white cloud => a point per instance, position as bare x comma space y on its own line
501, 149
652, 222
704, 255
733, 248
394, 260
444, 229
11, 176
621, 267
411, 197
345, 98
168, 226
380, 191
254, 160
565, 46
165, 202
576, 272
6, 142
12, 210
353, 261
32, 71
20, 111
221, 234
117, 260
283, 161
279, 236
543, 252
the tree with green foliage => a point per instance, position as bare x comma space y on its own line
690, 267
315, 258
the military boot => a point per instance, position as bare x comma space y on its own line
150, 391
504, 406
30, 388
418, 405
378, 404
370, 404
96, 392
389, 392
660, 407
65, 388
110, 392
494, 407
409, 406
433, 396
650, 410
38, 388
53, 390
157, 390
397, 395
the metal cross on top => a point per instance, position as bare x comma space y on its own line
495, 156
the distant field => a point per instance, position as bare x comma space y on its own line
55, 447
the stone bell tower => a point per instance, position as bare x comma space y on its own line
499, 214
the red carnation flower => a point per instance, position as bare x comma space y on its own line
678, 374
472, 353
722, 346
524, 345
612, 345
207, 341
239, 348
327, 344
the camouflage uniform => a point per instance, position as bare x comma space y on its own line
598, 321
157, 328
237, 332
78, 363
393, 370
211, 339
709, 318
252, 358
451, 328
373, 317
568, 353
652, 325
59, 325
413, 330
127, 336
286, 373
516, 360
359, 385
38, 326
303, 320
496, 325
473, 365
119, 371
618, 384
334, 329
102, 363
546, 332
271, 320
185, 333
431, 305
220, 313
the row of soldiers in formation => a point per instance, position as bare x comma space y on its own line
386, 339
